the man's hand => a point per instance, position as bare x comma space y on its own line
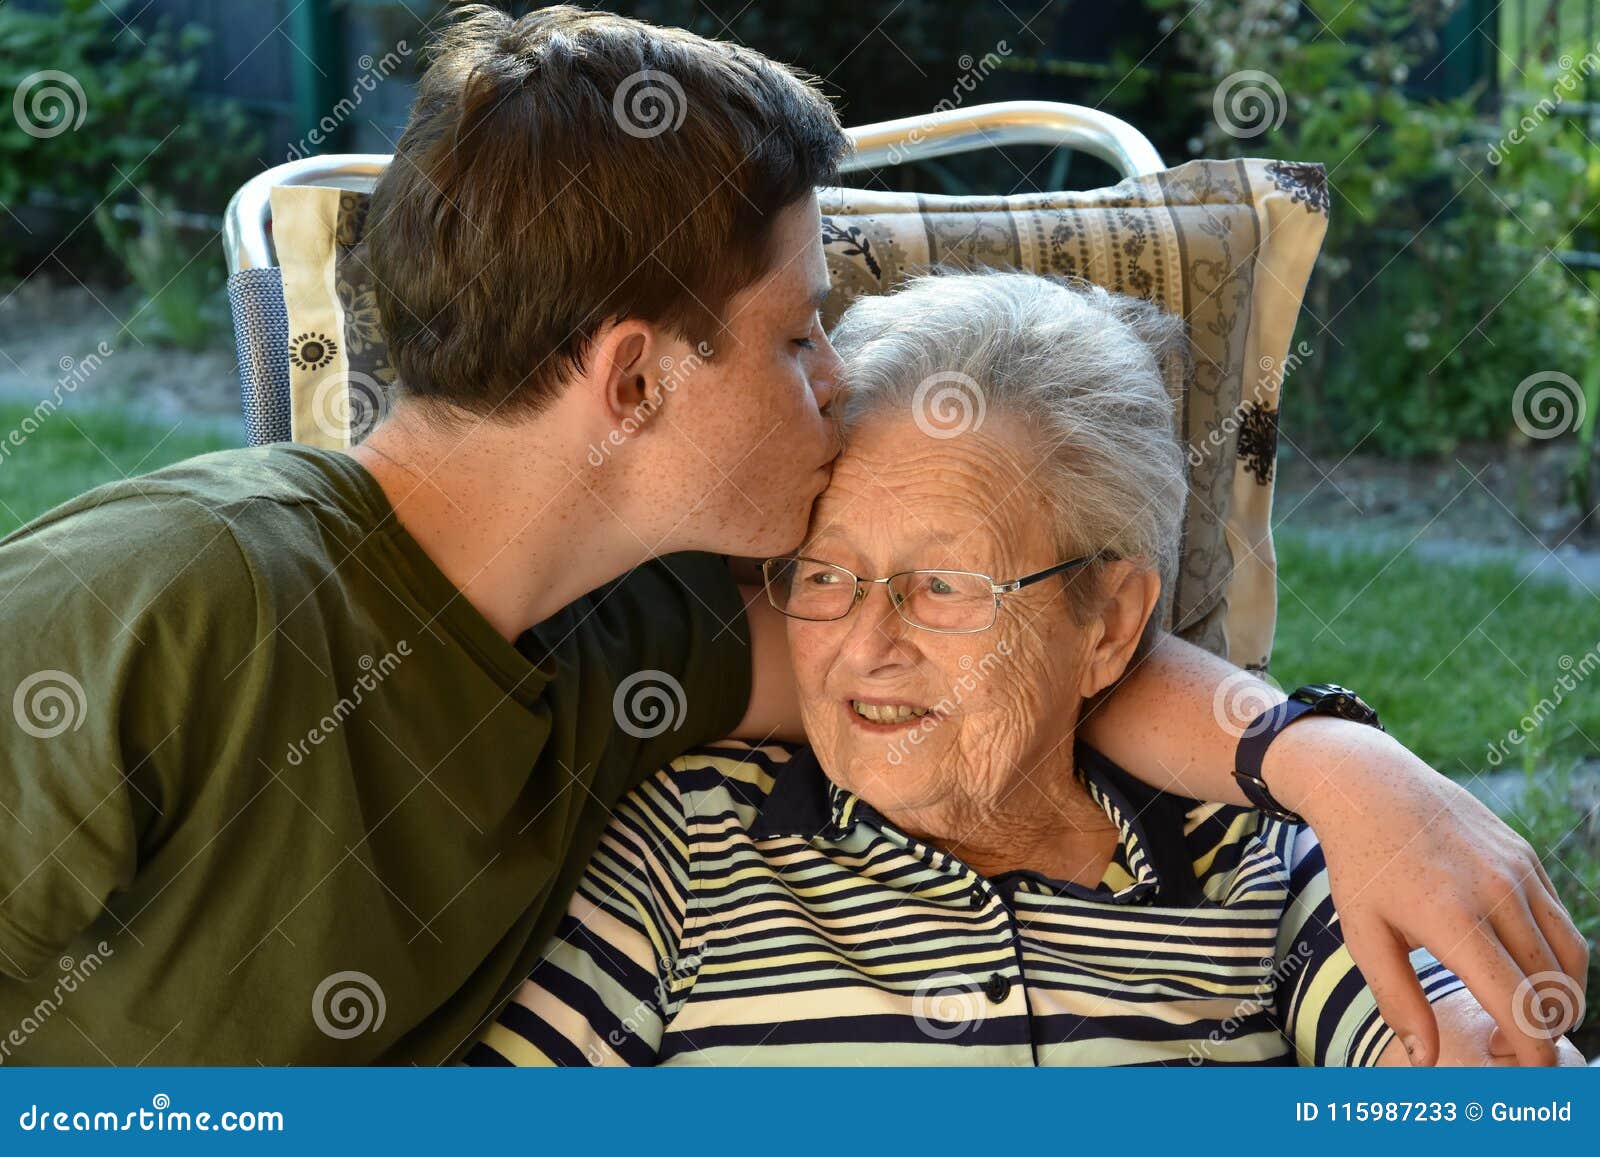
1414, 860
1469, 1036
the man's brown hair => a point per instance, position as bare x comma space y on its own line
566, 168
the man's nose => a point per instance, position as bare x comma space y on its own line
826, 375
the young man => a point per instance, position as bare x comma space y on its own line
311, 748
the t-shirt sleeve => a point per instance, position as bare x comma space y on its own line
1324, 1005
601, 994
107, 620
666, 657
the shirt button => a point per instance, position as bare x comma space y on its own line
976, 898
997, 988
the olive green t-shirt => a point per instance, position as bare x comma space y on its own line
272, 790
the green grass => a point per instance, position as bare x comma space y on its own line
66, 452
1452, 655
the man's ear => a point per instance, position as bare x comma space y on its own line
623, 365
1129, 594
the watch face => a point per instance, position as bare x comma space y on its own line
1332, 699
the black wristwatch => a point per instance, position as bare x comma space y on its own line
1312, 699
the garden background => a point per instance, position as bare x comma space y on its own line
1438, 481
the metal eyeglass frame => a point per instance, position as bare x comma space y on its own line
859, 591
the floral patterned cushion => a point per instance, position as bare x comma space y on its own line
1227, 245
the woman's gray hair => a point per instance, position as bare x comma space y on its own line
1082, 366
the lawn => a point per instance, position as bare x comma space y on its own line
1453, 655
64, 453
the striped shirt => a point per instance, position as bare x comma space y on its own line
743, 909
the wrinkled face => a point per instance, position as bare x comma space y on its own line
934, 730
751, 438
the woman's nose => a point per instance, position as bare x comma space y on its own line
876, 630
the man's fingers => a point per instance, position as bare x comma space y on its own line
1502, 989
1385, 964
1571, 949
1524, 940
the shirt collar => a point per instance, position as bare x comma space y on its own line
1151, 862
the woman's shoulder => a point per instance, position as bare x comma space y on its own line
1241, 850
728, 773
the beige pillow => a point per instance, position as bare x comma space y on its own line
1227, 245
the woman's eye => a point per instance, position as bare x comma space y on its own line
823, 578
939, 587
805, 343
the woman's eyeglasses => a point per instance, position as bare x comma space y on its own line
949, 602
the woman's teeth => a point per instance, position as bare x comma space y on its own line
886, 713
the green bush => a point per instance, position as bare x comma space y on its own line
112, 121
1438, 291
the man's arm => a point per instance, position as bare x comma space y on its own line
1414, 859
774, 710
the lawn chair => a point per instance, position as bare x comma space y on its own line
1227, 245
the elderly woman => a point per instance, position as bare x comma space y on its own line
947, 874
